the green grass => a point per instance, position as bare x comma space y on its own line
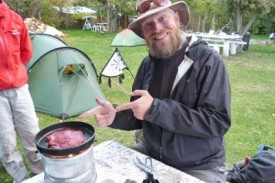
260, 37
252, 75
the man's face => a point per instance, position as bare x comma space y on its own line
162, 33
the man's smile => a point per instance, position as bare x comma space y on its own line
161, 36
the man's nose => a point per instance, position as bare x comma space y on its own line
158, 27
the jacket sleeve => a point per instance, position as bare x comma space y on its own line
26, 50
125, 120
209, 116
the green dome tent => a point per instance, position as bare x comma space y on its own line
63, 81
127, 38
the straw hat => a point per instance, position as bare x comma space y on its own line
180, 7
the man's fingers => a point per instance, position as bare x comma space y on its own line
138, 93
103, 120
130, 105
100, 101
124, 107
88, 113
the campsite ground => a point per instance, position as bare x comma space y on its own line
252, 76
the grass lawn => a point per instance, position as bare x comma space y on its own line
252, 76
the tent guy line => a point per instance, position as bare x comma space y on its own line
85, 78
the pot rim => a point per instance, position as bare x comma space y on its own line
88, 130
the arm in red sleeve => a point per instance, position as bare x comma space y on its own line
26, 45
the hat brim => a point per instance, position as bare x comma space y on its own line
180, 7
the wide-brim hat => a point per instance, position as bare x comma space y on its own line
180, 7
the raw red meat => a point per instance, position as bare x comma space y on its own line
65, 138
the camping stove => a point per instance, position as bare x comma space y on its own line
70, 169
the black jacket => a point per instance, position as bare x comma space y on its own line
187, 129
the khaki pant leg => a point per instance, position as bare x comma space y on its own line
11, 157
9, 154
26, 125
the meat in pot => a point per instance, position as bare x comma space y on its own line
65, 138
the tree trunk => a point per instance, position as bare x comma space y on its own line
124, 21
35, 9
205, 17
213, 27
199, 24
112, 19
239, 20
249, 24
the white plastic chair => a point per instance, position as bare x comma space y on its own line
94, 27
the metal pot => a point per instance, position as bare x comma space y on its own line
87, 129
69, 165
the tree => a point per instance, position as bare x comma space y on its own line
26, 8
51, 15
118, 11
125, 8
207, 14
245, 12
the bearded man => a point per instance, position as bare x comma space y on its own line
181, 95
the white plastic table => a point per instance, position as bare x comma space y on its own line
103, 27
228, 43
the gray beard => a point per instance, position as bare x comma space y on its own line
163, 51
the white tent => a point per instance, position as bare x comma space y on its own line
76, 9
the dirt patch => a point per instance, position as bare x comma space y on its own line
262, 42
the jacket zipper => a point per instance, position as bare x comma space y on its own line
160, 153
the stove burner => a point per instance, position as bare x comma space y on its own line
71, 168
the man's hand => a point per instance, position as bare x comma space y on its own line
104, 114
139, 106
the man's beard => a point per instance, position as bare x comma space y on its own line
165, 50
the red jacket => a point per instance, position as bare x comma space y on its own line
15, 49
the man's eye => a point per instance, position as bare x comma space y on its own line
147, 26
163, 18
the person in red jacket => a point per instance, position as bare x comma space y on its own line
17, 114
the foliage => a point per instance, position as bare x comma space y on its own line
53, 17
49, 15
87, 3
265, 24
126, 7
117, 12
203, 13
206, 15
256, 16
26, 8
245, 12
